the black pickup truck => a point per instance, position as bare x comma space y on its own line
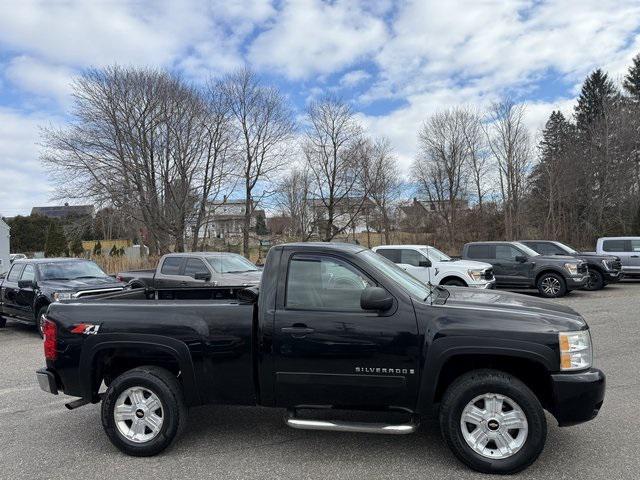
31, 285
603, 269
517, 266
332, 326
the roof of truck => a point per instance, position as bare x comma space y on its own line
345, 247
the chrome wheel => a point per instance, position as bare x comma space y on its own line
138, 414
551, 286
494, 426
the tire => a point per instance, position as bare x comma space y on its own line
510, 392
551, 285
595, 281
454, 282
40, 320
169, 419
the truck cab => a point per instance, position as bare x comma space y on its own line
430, 265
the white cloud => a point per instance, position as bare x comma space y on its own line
311, 37
35, 76
23, 182
354, 77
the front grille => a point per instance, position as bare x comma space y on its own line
582, 268
88, 293
488, 274
616, 265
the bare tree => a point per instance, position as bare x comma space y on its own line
510, 145
134, 144
382, 176
441, 168
218, 160
293, 198
333, 149
265, 127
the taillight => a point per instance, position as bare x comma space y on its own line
50, 332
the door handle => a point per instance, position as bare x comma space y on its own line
183, 284
297, 331
634, 256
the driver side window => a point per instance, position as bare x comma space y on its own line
411, 257
324, 283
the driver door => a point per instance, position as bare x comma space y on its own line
512, 271
328, 351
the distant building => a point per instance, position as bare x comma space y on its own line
423, 215
226, 219
5, 240
350, 215
64, 211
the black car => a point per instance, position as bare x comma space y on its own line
517, 266
603, 269
332, 326
32, 285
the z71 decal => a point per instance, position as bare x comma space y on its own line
86, 329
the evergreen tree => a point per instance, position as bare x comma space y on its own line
55, 243
97, 248
631, 81
261, 225
76, 247
597, 91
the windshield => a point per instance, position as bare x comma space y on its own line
526, 250
231, 263
70, 270
566, 248
390, 269
435, 255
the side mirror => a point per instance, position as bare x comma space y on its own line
375, 298
424, 263
26, 284
521, 258
202, 276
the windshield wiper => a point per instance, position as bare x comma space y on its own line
57, 278
87, 276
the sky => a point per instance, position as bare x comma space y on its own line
395, 62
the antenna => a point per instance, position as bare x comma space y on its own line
429, 274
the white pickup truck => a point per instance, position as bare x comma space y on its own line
430, 265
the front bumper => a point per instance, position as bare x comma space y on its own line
577, 397
47, 381
575, 282
485, 285
612, 276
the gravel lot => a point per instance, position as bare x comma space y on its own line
40, 439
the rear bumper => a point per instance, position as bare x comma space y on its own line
577, 397
47, 381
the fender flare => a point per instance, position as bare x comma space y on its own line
548, 268
444, 349
177, 349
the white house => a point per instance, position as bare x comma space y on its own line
4, 246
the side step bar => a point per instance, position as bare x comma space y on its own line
344, 426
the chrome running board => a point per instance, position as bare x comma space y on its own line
344, 426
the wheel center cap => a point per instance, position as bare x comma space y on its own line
139, 413
493, 424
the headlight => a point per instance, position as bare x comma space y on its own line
61, 296
575, 350
475, 274
572, 268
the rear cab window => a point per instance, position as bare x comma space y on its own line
171, 266
14, 273
480, 251
616, 246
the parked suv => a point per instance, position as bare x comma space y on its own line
603, 269
627, 248
430, 265
517, 266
